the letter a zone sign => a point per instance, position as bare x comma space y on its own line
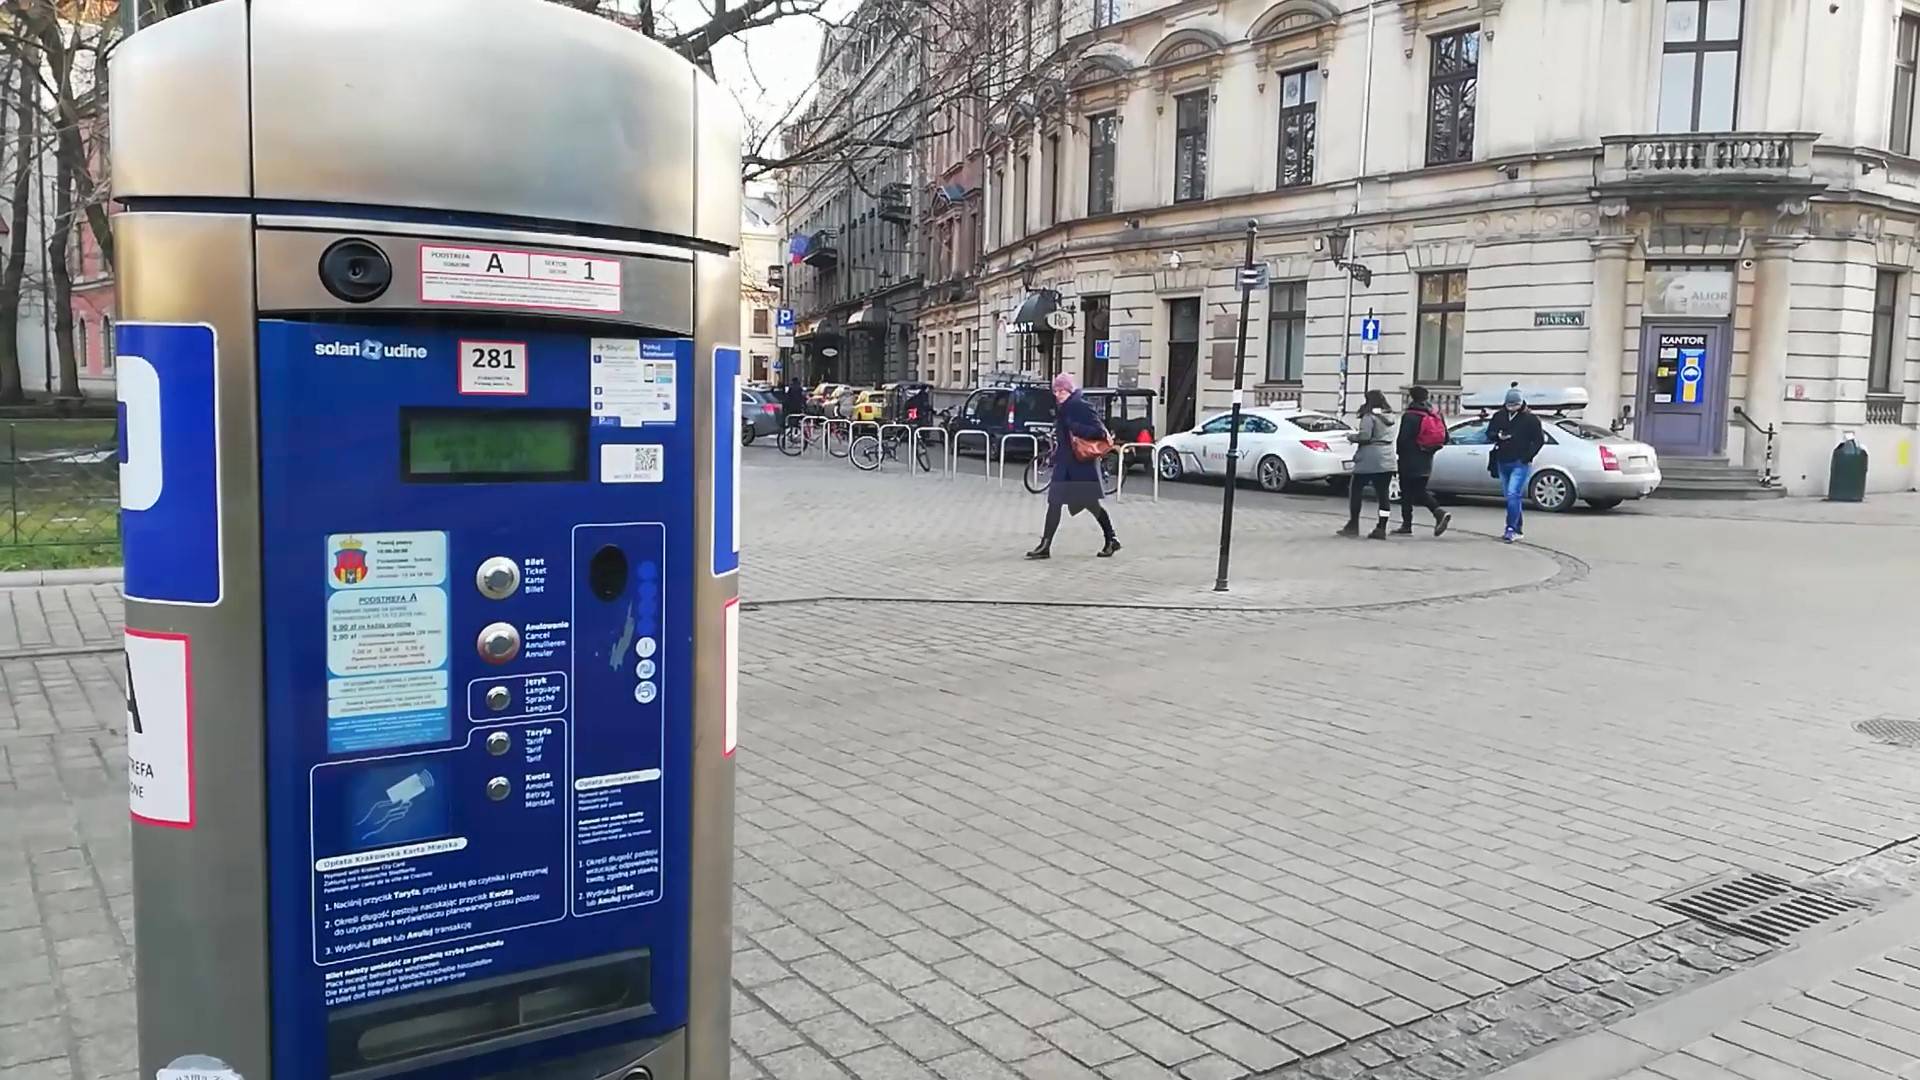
160, 728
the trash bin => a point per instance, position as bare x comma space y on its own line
1847, 479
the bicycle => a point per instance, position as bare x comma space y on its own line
799, 436
1039, 474
868, 451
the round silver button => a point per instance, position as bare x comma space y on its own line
499, 743
498, 788
645, 692
498, 698
498, 577
499, 643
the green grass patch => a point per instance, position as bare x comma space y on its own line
59, 556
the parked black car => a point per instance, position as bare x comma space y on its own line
1011, 406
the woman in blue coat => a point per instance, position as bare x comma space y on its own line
1076, 483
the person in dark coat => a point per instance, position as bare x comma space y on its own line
793, 402
1076, 483
1374, 462
1416, 464
1516, 437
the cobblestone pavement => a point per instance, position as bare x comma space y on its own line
1441, 788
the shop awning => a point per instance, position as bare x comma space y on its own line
826, 326
871, 317
1032, 316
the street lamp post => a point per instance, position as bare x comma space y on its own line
1251, 277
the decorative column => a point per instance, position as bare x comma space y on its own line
1607, 327
1767, 350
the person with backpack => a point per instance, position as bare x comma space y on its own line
1373, 464
1515, 435
1422, 434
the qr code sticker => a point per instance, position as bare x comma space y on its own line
632, 463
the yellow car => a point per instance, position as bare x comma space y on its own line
870, 405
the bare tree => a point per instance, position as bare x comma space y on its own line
23, 144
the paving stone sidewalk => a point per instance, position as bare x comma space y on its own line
987, 841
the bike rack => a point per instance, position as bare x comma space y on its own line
1153, 467
881, 435
827, 443
946, 444
1032, 440
986, 446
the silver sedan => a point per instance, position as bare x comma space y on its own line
1579, 461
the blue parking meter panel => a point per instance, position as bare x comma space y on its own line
477, 790
783, 319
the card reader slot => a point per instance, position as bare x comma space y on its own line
369, 1042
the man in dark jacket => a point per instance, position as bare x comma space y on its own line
793, 402
1416, 463
1515, 436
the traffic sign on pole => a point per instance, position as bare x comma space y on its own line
1369, 335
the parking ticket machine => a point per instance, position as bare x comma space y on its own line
429, 491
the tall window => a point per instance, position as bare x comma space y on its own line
975, 238
1000, 234
1022, 169
1441, 332
1103, 136
1906, 60
1453, 86
1886, 336
761, 325
1286, 331
1700, 65
1105, 13
1299, 106
1190, 146
1052, 152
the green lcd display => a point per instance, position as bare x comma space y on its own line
493, 445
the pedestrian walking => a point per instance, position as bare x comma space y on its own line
1374, 462
1515, 435
1422, 433
793, 401
1076, 482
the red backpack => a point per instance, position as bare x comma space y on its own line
1433, 431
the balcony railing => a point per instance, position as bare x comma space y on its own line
1737, 157
1885, 408
1277, 394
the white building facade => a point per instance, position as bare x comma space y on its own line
1704, 212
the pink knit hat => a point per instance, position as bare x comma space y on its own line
1063, 382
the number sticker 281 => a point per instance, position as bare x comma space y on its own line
493, 367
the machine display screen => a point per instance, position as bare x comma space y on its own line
497, 445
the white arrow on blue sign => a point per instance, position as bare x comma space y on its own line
1103, 349
1369, 329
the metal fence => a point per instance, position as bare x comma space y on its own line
62, 483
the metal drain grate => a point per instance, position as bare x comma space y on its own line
1890, 731
1760, 906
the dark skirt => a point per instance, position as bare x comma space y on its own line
1075, 495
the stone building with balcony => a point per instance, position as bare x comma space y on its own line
1703, 212
849, 207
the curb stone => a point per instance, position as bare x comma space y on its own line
30, 579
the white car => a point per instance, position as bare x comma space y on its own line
1279, 445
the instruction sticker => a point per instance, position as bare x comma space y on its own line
380, 631
495, 277
632, 463
160, 728
384, 560
493, 368
634, 382
197, 1067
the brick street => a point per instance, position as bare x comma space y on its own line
1386, 810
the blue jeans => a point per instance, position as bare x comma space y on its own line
1513, 482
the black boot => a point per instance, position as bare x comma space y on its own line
1044, 551
1351, 528
1405, 528
1379, 531
1112, 545
1441, 521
